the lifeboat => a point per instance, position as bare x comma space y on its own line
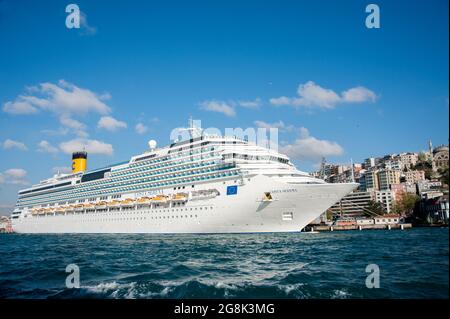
114, 203
70, 208
42, 211
127, 203
60, 209
144, 201
180, 197
100, 205
205, 194
89, 206
79, 207
160, 199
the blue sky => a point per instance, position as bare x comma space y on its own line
346, 91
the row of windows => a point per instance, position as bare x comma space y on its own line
126, 212
121, 213
137, 218
79, 191
256, 157
168, 165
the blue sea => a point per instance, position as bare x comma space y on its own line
412, 264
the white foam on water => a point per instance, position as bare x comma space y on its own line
340, 294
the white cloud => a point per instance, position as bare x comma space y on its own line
110, 124
76, 126
358, 95
16, 172
10, 144
71, 123
309, 148
59, 132
255, 104
282, 100
19, 107
279, 125
85, 27
90, 146
218, 106
141, 128
311, 95
46, 147
14, 176
61, 170
63, 98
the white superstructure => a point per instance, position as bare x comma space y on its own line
206, 184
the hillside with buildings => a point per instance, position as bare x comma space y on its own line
413, 186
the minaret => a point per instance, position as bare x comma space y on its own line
433, 165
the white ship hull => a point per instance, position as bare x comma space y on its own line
293, 206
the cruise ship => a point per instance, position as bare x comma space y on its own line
203, 184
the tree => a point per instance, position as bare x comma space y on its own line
329, 215
426, 167
444, 175
375, 208
405, 204
422, 157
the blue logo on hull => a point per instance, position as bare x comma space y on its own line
232, 190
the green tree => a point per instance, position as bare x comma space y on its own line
376, 207
426, 167
329, 215
405, 204
422, 157
444, 174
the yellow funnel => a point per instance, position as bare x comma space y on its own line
79, 162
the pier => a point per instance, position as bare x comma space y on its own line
356, 227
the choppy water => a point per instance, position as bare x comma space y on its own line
413, 264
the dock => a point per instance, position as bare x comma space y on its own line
320, 228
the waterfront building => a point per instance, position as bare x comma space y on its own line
362, 182
369, 162
5, 225
371, 181
352, 205
435, 210
408, 160
414, 176
440, 157
387, 177
364, 221
398, 190
410, 188
387, 219
429, 189
385, 198
393, 164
